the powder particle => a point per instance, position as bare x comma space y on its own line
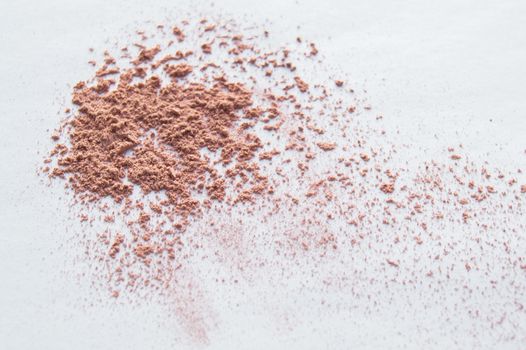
108, 71
365, 157
147, 54
327, 146
393, 263
179, 70
387, 188
207, 48
115, 247
178, 33
314, 50
143, 250
302, 85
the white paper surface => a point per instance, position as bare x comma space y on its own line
440, 72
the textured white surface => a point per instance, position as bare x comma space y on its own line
440, 72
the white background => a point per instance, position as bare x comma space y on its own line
451, 69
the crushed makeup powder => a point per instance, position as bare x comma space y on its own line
206, 121
152, 136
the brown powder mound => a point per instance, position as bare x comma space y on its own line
152, 136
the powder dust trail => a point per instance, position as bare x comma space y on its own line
200, 142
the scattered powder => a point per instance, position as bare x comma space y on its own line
231, 128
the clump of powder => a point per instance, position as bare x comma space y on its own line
152, 136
